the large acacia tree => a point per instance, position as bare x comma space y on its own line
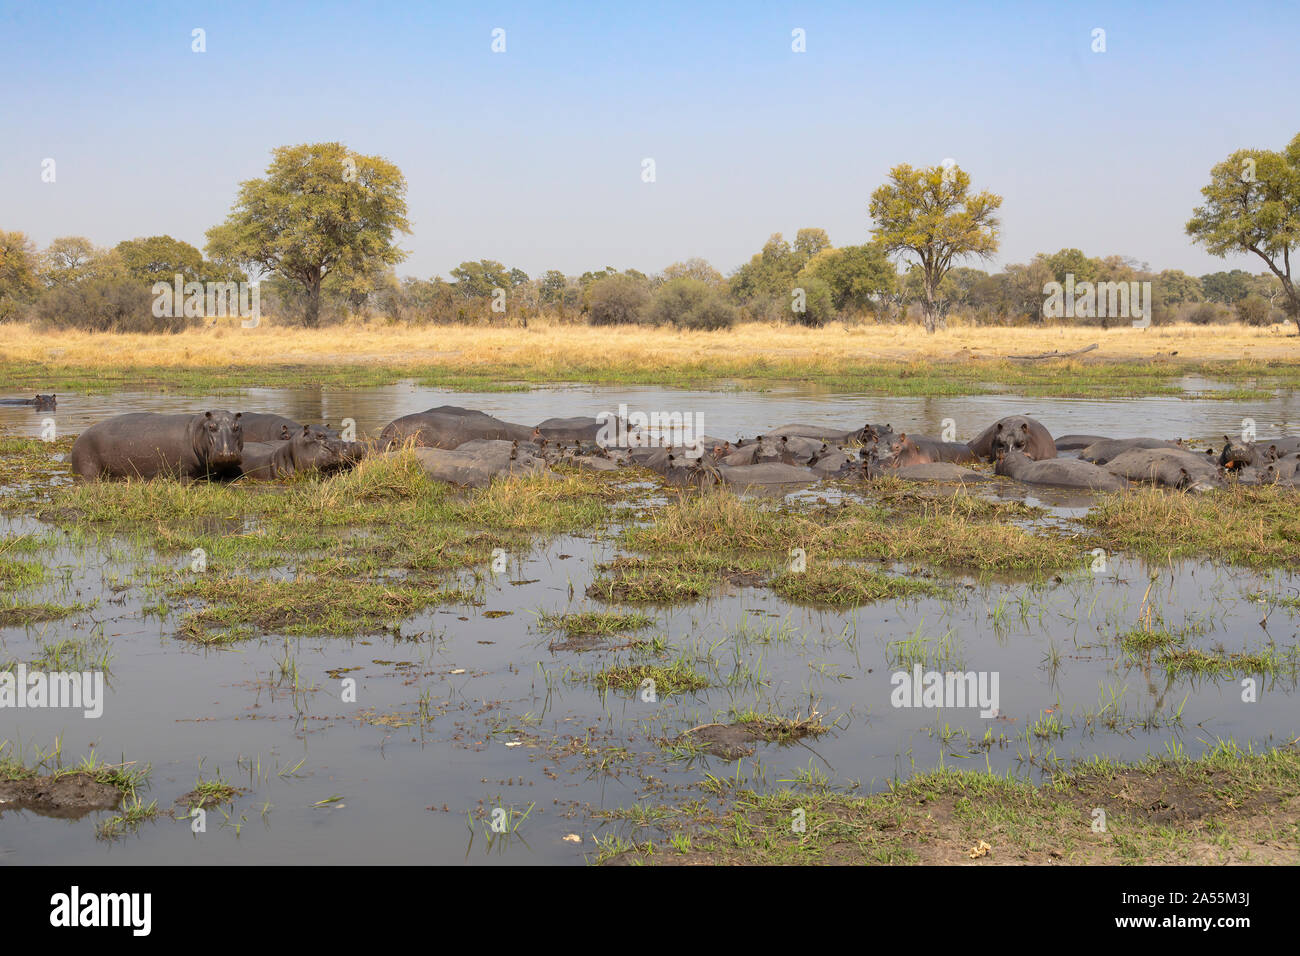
1252, 204
321, 207
931, 214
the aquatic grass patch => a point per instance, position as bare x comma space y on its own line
302, 606
1254, 526
1231, 805
208, 793
1269, 662
675, 677
15, 613
846, 585
1143, 640
17, 573
594, 622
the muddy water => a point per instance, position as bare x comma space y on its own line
487, 681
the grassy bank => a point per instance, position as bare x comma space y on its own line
874, 359
1230, 806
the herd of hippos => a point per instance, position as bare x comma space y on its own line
467, 447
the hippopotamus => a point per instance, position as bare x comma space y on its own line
1238, 454
449, 426
1170, 467
571, 429
766, 473
1102, 452
146, 445
1077, 442
819, 433
476, 468
938, 450
1280, 447
260, 427
309, 449
42, 403
830, 460
937, 471
1015, 431
902, 452
1061, 472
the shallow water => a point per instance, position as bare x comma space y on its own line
187, 711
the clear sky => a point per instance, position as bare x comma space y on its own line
534, 156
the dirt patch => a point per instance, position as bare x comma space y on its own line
68, 796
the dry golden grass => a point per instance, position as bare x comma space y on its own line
361, 343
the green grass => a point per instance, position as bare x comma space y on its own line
603, 623
674, 678
846, 585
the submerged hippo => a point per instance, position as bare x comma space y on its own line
936, 471
42, 403
1102, 452
820, 433
1060, 472
956, 452
449, 426
742, 476
146, 445
571, 429
307, 450
478, 467
1077, 442
1169, 467
1018, 432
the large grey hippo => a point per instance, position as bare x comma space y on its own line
449, 426
310, 449
146, 445
476, 468
939, 450
573, 429
1101, 452
1169, 467
1060, 472
1020, 432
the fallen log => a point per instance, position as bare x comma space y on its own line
1051, 355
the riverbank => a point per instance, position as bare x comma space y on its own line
871, 359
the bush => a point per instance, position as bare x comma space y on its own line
104, 305
819, 305
1206, 313
1253, 310
691, 304
619, 299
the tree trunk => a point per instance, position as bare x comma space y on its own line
928, 310
312, 317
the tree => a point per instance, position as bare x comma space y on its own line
478, 280
160, 259
809, 242
68, 260
1071, 262
552, 287
19, 282
1226, 287
1252, 204
931, 214
320, 207
694, 268
859, 277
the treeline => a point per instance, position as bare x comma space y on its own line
73, 284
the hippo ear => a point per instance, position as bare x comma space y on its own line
1227, 439
998, 428
306, 429
1024, 427
207, 414
238, 415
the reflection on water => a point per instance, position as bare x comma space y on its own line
725, 414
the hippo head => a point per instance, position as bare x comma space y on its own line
220, 438
314, 449
1010, 434
1193, 485
45, 403
1236, 453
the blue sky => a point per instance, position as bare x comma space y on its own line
534, 156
